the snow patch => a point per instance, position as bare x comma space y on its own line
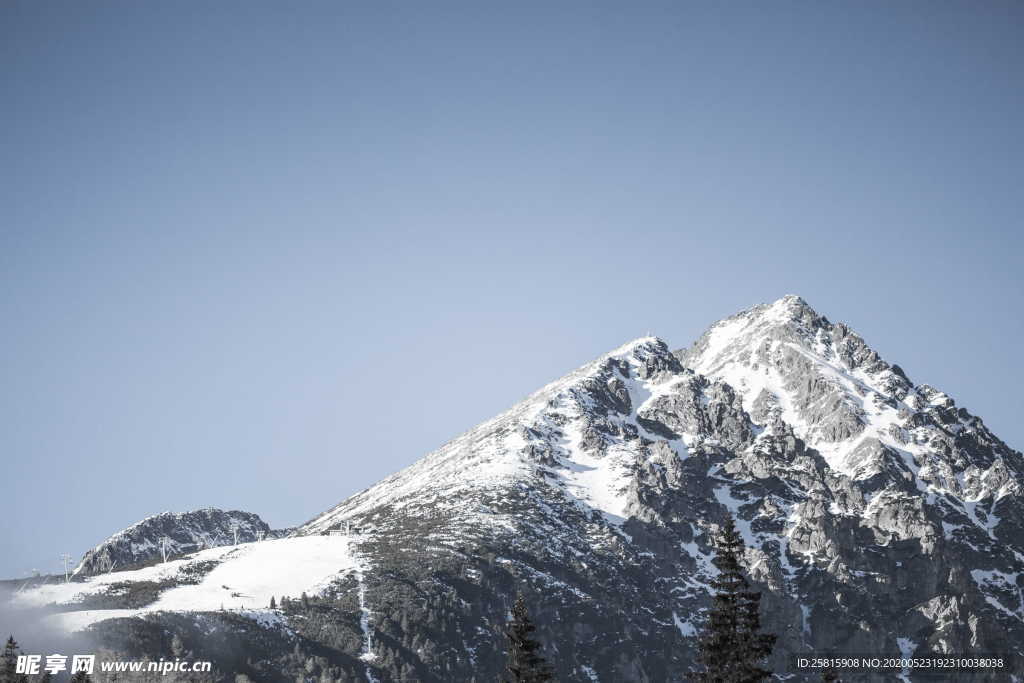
245, 579
685, 627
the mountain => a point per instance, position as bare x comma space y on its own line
879, 518
174, 534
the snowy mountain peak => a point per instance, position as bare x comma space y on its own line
877, 516
552, 428
792, 365
790, 318
791, 306
640, 345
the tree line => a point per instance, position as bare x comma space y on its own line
731, 647
9, 667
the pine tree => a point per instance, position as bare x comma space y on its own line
10, 660
732, 646
9, 664
525, 663
273, 604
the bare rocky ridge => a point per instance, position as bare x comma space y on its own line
185, 532
880, 518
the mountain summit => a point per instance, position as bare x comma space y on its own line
584, 431
877, 518
862, 414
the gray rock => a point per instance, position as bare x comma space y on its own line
142, 543
873, 510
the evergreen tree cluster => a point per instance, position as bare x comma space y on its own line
525, 662
9, 665
732, 647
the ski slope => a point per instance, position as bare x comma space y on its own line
244, 580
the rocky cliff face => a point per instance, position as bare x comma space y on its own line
879, 518
182, 532
901, 517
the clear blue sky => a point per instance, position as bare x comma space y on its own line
258, 255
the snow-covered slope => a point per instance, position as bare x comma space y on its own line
864, 416
879, 518
241, 578
556, 425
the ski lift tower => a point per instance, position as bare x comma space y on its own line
234, 530
163, 547
66, 558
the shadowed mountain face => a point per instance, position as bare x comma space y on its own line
878, 517
171, 533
